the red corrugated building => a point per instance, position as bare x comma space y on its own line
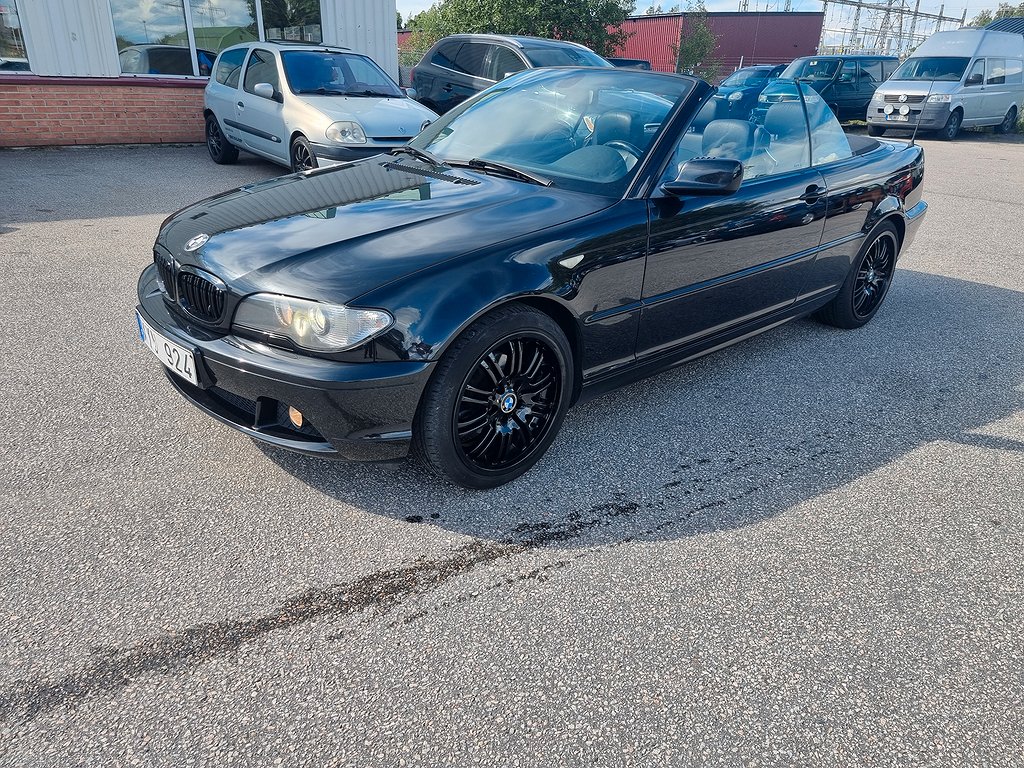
753, 38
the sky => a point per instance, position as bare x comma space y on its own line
411, 7
142, 21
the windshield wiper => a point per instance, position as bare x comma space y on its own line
478, 163
422, 154
372, 93
322, 91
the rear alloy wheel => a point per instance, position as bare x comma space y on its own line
868, 282
876, 130
222, 151
496, 400
1009, 122
952, 126
302, 156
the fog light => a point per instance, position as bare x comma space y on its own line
295, 417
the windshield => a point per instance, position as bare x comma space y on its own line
812, 69
564, 56
346, 74
746, 77
948, 68
584, 129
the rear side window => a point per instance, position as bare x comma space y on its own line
230, 67
828, 140
1013, 71
471, 58
888, 67
849, 72
445, 54
996, 72
261, 69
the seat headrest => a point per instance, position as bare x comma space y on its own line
729, 138
613, 126
785, 120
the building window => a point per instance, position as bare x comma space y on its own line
13, 57
158, 38
292, 20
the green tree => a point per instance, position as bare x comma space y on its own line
399, 19
695, 49
1005, 9
596, 24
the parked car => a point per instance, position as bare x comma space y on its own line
618, 61
847, 83
460, 66
565, 232
966, 77
739, 91
164, 60
305, 105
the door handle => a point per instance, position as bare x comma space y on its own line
241, 105
447, 88
813, 193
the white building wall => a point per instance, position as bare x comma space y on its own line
69, 38
365, 26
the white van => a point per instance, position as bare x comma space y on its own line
963, 78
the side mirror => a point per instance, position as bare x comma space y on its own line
706, 176
266, 91
974, 80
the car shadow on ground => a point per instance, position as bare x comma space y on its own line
738, 436
725, 442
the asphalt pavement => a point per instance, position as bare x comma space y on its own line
805, 550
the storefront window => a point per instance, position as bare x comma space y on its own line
218, 24
292, 20
153, 35
13, 57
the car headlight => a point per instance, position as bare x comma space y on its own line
346, 132
311, 325
736, 96
940, 98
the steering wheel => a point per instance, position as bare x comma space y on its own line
625, 146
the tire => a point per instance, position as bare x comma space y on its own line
952, 127
301, 155
222, 151
867, 284
496, 400
1009, 122
876, 130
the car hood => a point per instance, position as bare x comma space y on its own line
380, 117
336, 233
917, 87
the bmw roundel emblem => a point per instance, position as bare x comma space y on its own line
508, 402
196, 242
903, 97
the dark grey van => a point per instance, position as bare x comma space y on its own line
459, 66
846, 83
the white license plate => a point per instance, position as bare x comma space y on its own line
174, 356
898, 118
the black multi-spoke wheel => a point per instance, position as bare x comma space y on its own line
497, 398
302, 155
868, 282
507, 403
222, 151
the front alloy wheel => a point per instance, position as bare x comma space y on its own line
302, 155
496, 400
952, 127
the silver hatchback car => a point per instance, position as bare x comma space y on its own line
305, 105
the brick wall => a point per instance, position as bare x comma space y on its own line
38, 111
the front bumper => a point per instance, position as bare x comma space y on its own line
353, 411
927, 117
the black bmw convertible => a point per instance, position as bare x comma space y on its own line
562, 233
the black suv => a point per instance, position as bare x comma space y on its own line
459, 66
846, 83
